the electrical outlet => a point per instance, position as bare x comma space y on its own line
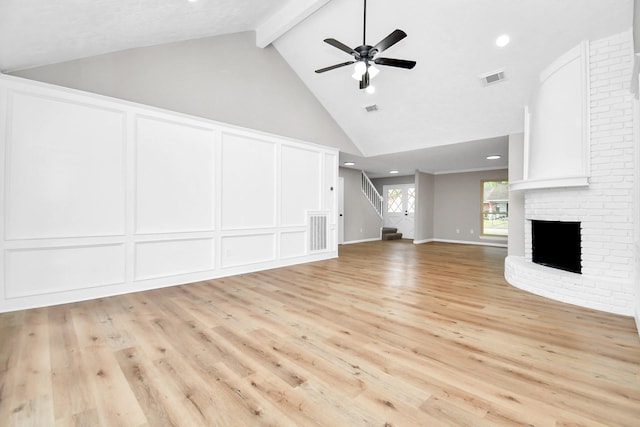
471, 231
457, 231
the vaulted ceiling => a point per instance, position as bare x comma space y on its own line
442, 101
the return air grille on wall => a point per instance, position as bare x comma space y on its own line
317, 232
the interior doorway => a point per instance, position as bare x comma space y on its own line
399, 208
340, 210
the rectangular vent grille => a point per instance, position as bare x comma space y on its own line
317, 232
371, 108
493, 77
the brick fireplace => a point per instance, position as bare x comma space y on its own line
604, 206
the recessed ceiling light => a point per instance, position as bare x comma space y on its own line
349, 163
503, 40
371, 89
394, 171
494, 157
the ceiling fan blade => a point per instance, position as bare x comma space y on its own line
332, 67
341, 46
390, 40
400, 63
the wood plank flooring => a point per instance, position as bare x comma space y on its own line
388, 334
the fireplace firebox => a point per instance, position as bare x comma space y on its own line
557, 244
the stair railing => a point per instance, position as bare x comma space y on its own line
370, 192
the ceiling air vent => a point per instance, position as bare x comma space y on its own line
492, 77
371, 108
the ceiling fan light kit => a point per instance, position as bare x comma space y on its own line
365, 56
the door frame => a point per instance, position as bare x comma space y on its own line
340, 210
404, 207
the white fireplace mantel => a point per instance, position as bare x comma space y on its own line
533, 184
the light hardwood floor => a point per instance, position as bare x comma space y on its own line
389, 334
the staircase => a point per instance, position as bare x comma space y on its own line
376, 200
389, 233
372, 195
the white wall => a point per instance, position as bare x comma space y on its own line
224, 78
102, 197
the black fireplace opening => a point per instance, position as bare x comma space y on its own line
557, 244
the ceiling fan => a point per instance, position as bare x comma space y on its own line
364, 56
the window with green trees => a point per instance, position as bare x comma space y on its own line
495, 208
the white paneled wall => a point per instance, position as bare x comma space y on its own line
102, 197
64, 168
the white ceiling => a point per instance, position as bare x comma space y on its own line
440, 102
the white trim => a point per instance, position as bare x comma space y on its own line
585, 63
635, 76
577, 52
494, 168
532, 184
351, 242
494, 238
467, 242
527, 139
285, 19
636, 198
419, 242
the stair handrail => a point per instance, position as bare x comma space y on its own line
372, 195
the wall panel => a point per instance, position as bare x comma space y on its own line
174, 176
293, 244
250, 249
173, 257
248, 182
65, 169
301, 180
58, 269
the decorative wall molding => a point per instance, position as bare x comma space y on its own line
109, 197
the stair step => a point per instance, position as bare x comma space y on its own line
391, 236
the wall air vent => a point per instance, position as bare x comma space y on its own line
492, 77
371, 108
318, 229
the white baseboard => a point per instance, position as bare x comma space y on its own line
419, 242
351, 242
466, 242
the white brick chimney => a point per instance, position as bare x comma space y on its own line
605, 208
